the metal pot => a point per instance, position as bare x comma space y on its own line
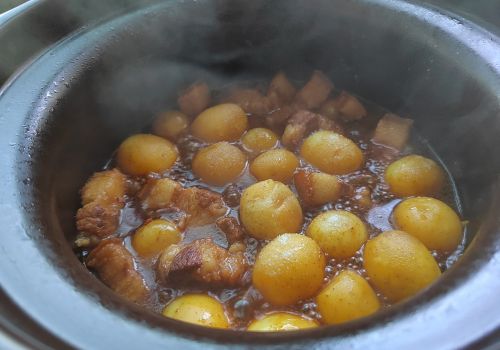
67, 110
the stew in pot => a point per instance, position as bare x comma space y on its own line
270, 209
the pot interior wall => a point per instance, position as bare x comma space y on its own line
140, 63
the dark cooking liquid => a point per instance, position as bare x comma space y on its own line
244, 304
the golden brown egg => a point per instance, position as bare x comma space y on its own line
399, 265
219, 164
224, 122
258, 140
288, 269
281, 321
414, 176
347, 297
199, 309
142, 154
433, 222
332, 153
155, 236
339, 233
171, 125
276, 164
269, 208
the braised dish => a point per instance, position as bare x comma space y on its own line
270, 207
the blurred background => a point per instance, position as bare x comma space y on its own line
8, 4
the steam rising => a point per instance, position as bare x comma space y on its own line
162, 50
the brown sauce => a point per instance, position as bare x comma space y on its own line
244, 304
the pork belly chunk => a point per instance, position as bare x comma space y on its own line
115, 266
393, 131
201, 206
103, 197
202, 261
302, 123
314, 92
